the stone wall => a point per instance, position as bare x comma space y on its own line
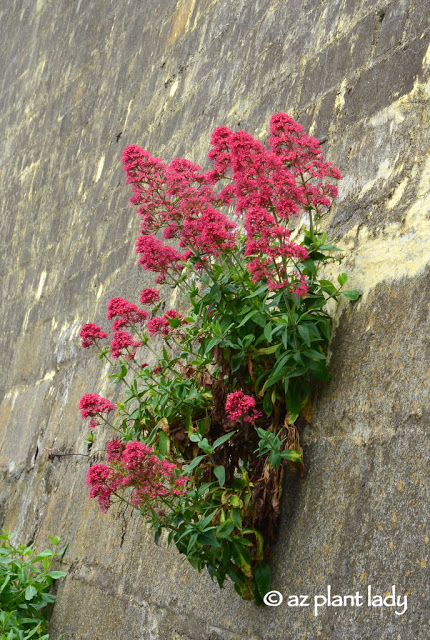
79, 81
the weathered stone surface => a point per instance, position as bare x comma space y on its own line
78, 82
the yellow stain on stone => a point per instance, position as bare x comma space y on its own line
423, 564
99, 169
391, 545
47, 377
397, 195
385, 170
339, 102
173, 297
181, 19
25, 323
426, 60
400, 485
408, 241
128, 113
42, 281
174, 88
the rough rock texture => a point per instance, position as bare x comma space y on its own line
79, 81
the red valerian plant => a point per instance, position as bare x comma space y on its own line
205, 434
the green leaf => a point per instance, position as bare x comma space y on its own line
268, 331
312, 353
260, 319
268, 350
290, 454
30, 592
191, 543
248, 340
342, 278
6, 582
257, 293
247, 317
204, 523
205, 446
164, 442
215, 293
328, 247
224, 530
275, 459
304, 333
352, 294
328, 287
208, 538
273, 380
57, 574
267, 404
211, 344
236, 361
47, 597
236, 518
241, 556
262, 578
219, 441
280, 364
325, 328
310, 266
193, 464
44, 554
319, 369
220, 474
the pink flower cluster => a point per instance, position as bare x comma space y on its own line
211, 233
268, 185
149, 296
158, 257
124, 345
93, 406
90, 334
162, 326
125, 314
134, 465
241, 407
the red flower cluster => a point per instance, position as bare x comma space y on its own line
158, 257
121, 344
162, 325
268, 185
126, 313
149, 296
90, 333
212, 233
134, 465
102, 484
158, 325
92, 405
241, 407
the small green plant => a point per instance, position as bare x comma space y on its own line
25, 582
